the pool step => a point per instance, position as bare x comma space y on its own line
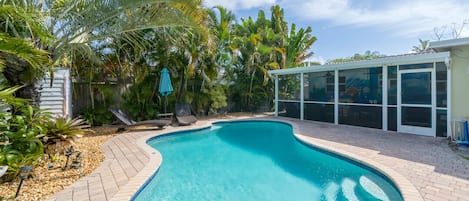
368, 186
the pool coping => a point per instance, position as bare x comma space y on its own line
127, 192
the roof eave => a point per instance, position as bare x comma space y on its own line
388, 61
446, 45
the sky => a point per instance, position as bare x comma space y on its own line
346, 27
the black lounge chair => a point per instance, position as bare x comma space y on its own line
160, 123
184, 115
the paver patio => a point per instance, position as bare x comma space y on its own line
434, 171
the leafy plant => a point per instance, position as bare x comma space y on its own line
97, 116
142, 100
64, 129
60, 133
19, 144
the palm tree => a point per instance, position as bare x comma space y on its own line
222, 27
298, 46
21, 59
79, 25
422, 47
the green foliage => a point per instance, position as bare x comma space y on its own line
23, 132
210, 100
261, 45
142, 101
19, 143
64, 130
357, 57
97, 113
422, 47
97, 116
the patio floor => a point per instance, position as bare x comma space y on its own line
427, 164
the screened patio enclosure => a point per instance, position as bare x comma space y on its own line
407, 93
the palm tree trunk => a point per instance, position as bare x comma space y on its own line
16, 73
250, 89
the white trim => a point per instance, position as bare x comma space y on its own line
433, 81
417, 105
320, 102
384, 93
336, 97
395, 106
392, 60
276, 96
449, 93
419, 70
399, 115
362, 104
289, 101
449, 43
302, 97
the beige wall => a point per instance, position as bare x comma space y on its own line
460, 82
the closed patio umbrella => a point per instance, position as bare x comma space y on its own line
165, 88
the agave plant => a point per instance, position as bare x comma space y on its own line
64, 130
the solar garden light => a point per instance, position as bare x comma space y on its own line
3, 170
76, 163
24, 173
68, 153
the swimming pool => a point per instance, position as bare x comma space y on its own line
256, 160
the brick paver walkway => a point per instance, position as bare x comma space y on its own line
424, 167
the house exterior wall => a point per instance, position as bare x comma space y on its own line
460, 82
402, 93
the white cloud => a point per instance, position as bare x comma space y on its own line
406, 18
239, 4
317, 58
402, 17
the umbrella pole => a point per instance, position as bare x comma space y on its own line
165, 103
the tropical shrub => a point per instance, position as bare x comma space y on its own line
142, 100
64, 129
62, 132
19, 145
96, 116
25, 130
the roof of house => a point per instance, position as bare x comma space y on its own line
445, 45
387, 60
439, 51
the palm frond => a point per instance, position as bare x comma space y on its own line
23, 49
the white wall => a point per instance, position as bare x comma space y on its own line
57, 99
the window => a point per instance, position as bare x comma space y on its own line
289, 109
392, 85
415, 66
320, 86
360, 86
366, 116
441, 123
289, 87
441, 84
319, 112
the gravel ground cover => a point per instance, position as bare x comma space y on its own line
46, 182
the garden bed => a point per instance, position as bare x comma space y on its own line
46, 182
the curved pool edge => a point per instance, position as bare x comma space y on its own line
405, 187
135, 184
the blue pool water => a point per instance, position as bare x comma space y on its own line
256, 160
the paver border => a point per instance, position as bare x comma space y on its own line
405, 187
